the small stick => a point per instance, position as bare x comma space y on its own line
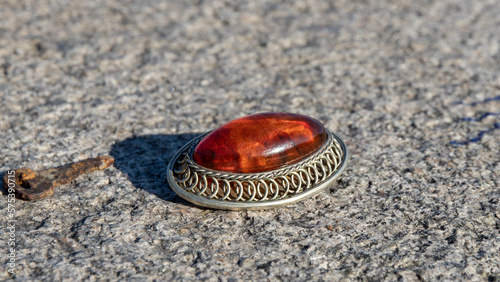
31, 185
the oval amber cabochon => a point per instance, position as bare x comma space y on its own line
260, 142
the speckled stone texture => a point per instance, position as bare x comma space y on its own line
137, 79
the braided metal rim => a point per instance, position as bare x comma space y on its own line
224, 190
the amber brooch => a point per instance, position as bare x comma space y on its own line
257, 162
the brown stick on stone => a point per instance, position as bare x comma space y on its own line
31, 185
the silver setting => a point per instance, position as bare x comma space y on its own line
252, 191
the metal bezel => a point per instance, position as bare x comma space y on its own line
225, 190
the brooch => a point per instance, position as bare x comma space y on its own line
259, 161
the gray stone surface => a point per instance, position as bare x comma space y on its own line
137, 79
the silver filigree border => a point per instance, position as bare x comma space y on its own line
243, 191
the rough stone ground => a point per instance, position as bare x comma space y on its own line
137, 79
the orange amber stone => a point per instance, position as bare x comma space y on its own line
260, 142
